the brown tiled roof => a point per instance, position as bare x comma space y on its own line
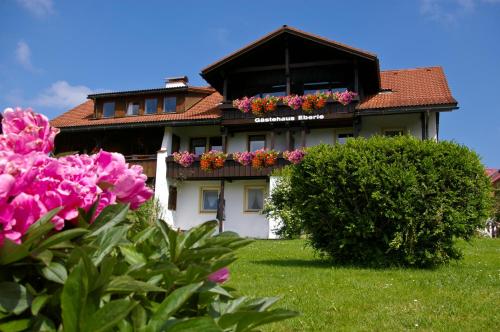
403, 88
82, 115
410, 87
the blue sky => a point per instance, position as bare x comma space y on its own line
56, 52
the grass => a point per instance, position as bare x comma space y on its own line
462, 296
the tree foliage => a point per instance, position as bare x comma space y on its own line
386, 201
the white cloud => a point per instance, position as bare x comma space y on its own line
23, 56
39, 8
449, 11
62, 95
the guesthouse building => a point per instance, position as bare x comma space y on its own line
284, 92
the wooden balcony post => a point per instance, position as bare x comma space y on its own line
221, 207
273, 139
288, 139
224, 139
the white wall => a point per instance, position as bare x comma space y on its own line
251, 224
319, 136
186, 133
375, 124
432, 125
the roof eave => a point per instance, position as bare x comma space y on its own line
283, 29
408, 109
170, 123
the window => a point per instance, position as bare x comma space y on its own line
254, 199
256, 142
169, 104
133, 108
172, 198
342, 137
209, 199
198, 145
393, 132
108, 109
151, 106
215, 143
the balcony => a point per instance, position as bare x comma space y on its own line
333, 110
231, 170
148, 163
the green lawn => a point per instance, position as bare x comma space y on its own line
463, 296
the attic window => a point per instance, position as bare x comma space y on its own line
133, 108
108, 109
169, 104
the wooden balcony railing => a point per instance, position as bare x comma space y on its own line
148, 163
332, 110
231, 170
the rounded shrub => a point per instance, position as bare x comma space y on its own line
387, 201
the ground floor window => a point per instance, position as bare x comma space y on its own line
341, 135
209, 199
254, 198
394, 132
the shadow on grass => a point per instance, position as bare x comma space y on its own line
325, 263
295, 263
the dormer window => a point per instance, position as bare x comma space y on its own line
108, 109
133, 108
169, 104
151, 106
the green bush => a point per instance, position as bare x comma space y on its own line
387, 201
119, 275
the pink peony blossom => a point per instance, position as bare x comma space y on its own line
26, 131
32, 183
219, 276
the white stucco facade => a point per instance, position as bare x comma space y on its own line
188, 210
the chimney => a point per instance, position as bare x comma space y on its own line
176, 82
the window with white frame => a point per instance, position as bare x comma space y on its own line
254, 198
342, 136
394, 132
133, 108
209, 199
151, 106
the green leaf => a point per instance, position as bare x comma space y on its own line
40, 227
44, 256
126, 284
13, 297
107, 241
106, 270
205, 324
198, 233
11, 252
55, 272
38, 303
132, 256
109, 315
111, 216
173, 302
74, 297
61, 237
139, 317
247, 320
43, 324
15, 325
